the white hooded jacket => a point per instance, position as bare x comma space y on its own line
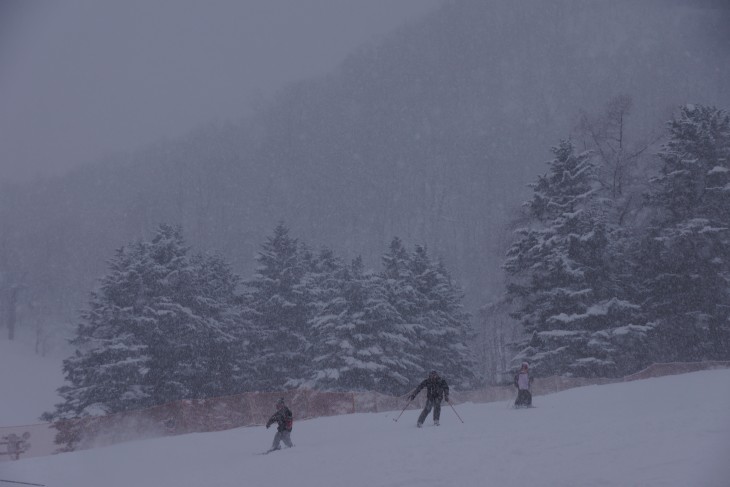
523, 380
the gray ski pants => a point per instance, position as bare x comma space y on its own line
280, 436
431, 403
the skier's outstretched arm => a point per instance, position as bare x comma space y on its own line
418, 389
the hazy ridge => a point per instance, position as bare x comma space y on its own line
431, 136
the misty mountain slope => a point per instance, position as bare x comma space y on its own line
431, 135
669, 431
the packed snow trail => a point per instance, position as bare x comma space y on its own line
670, 432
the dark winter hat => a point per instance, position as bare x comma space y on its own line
433, 373
280, 403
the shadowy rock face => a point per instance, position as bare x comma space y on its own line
431, 135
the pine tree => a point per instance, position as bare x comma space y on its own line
622, 337
425, 296
107, 372
385, 336
685, 256
330, 324
277, 298
353, 349
360, 341
400, 281
399, 286
560, 278
159, 329
446, 327
227, 355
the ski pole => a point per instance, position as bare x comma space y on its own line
401, 413
16, 482
457, 414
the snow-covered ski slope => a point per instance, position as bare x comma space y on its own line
668, 431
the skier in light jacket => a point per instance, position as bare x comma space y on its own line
522, 383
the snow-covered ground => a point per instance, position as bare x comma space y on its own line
669, 431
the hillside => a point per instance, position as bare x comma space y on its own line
670, 432
431, 135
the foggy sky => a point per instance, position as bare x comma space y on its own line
82, 79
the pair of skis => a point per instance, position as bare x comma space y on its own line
272, 450
409, 401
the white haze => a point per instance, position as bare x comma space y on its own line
431, 133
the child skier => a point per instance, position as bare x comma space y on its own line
284, 418
436, 388
522, 383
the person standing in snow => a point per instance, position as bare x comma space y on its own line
522, 383
284, 418
436, 390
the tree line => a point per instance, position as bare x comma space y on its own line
166, 323
621, 260
613, 271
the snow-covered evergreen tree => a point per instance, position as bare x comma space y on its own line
161, 327
330, 324
400, 281
227, 354
360, 341
387, 337
399, 285
684, 260
107, 372
560, 281
324, 324
446, 327
620, 170
277, 298
427, 299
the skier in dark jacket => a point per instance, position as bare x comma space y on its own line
436, 389
284, 418
522, 383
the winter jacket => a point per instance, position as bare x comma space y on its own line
283, 417
436, 388
523, 381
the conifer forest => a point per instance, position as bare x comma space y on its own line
488, 184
